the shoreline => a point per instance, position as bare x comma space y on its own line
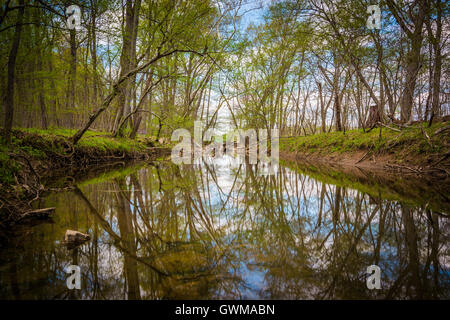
414, 150
384, 164
427, 190
35, 159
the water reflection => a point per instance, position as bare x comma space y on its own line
226, 231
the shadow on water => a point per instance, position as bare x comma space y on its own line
224, 230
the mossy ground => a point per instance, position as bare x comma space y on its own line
409, 142
98, 140
45, 145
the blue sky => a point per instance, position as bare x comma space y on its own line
253, 11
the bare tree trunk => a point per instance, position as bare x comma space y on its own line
436, 40
9, 100
53, 94
72, 78
39, 68
412, 68
337, 109
44, 121
94, 52
413, 56
127, 61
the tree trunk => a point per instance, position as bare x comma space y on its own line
412, 69
72, 78
415, 37
9, 100
44, 121
94, 53
337, 108
127, 62
437, 61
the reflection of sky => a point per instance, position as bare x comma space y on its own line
306, 205
256, 265
227, 217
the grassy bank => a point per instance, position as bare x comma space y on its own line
51, 149
37, 156
415, 146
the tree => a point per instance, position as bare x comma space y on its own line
9, 99
411, 21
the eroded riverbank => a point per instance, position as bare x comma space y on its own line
417, 150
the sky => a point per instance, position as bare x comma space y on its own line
252, 11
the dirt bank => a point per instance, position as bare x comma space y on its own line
415, 150
409, 189
387, 163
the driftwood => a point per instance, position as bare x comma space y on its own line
38, 213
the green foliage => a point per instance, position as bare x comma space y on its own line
8, 167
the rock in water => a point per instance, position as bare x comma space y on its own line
74, 238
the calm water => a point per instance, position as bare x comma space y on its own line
215, 231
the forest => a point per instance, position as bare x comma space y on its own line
93, 91
146, 67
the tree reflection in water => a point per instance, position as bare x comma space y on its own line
226, 231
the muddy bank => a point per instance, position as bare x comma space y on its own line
434, 166
427, 191
416, 149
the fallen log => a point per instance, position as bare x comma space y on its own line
386, 126
38, 213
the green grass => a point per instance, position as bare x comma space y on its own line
39, 144
409, 140
8, 167
101, 141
